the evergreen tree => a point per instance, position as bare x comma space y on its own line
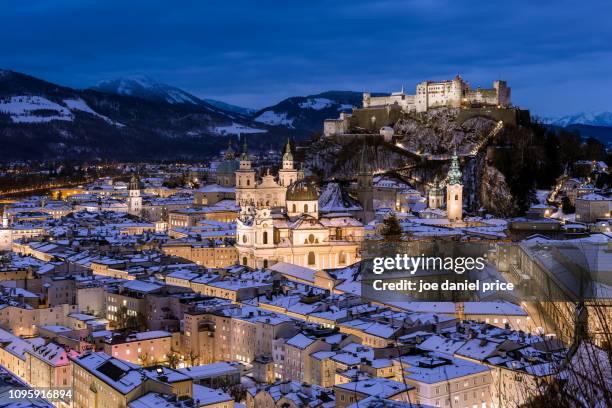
391, 228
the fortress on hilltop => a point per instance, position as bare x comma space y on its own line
453, 93
380, 111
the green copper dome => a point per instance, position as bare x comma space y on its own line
454, 173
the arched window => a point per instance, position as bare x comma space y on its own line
338, 233
248, 182
342, 258
244, 260
311, 258
305, 208
265, 263
244, 239
265, 237
311, 238
456, 197
294, 208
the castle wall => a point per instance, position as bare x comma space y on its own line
385, 116
450, 93
406, 102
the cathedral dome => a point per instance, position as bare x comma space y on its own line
302, 190
228, 167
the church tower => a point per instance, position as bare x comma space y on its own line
245, 176
288, 173
365, 187
6, 233
5, 220
134, 196
435, 195
454, 191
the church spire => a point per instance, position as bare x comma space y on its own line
288, 156
245, 153
454, 173
229, 153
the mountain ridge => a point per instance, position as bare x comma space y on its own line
309, 112
602, 118
41, 119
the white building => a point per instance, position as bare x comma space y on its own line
591, 207
280, 222
448, 93
270, 192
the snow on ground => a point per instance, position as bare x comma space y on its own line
80, 105
34, 109
235, 129
178, 97
37, 109
316, 103
275, 119
562, 216
542, 195
333, 199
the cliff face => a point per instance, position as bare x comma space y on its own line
331, 158
494, 194
435, 132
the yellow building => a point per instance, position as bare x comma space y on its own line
203, 253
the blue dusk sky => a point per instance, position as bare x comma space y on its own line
556, 55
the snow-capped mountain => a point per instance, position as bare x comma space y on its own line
141, 86
592, 119
308, 112
42, 119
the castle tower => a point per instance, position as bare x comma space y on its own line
503, 93
366, 99
435, 195
455, 95
288, 174
365, 187
134, 196
454, 191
